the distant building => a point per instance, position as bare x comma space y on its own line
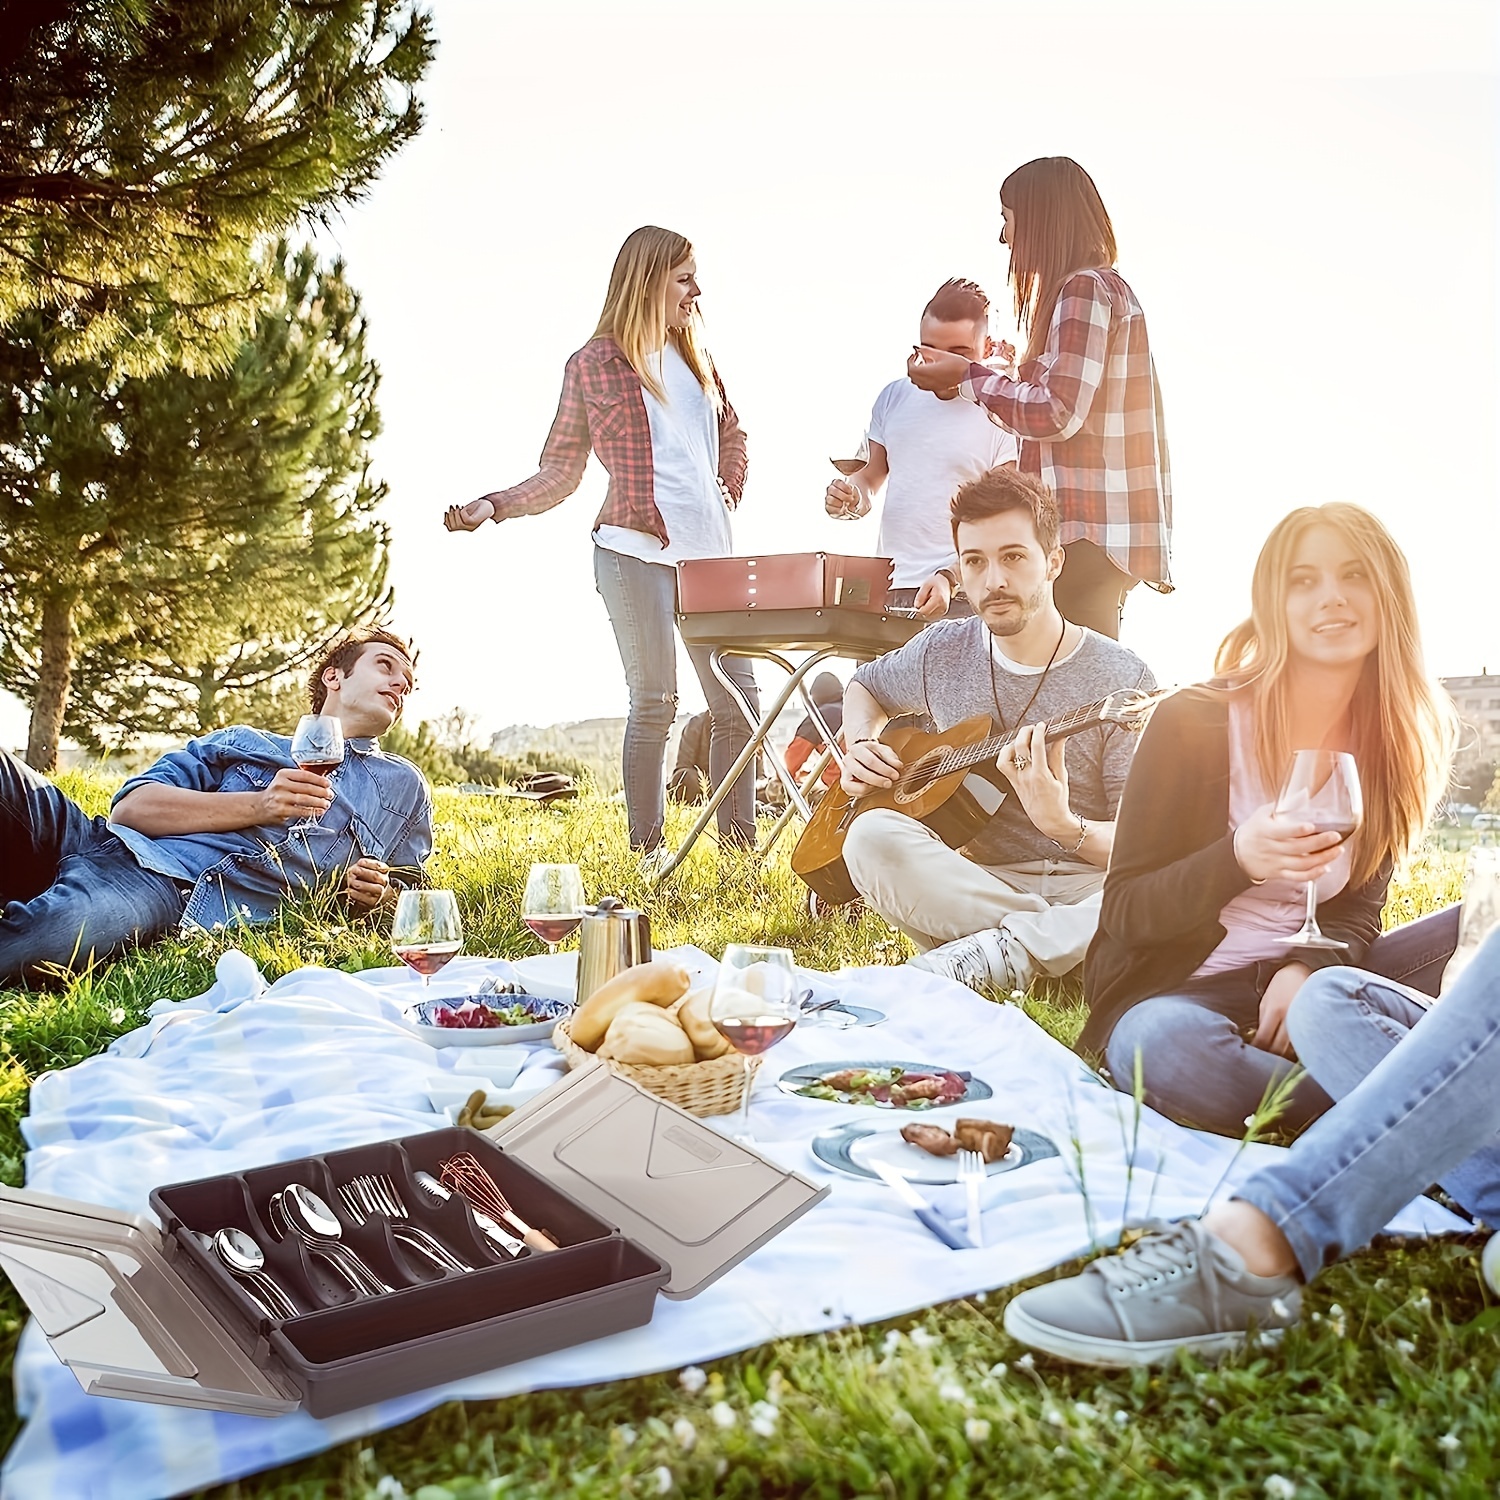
1477, 700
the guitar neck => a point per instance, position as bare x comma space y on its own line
961, 758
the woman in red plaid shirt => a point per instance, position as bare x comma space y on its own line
643, 395
1085, 401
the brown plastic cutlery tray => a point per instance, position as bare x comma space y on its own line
347, 1349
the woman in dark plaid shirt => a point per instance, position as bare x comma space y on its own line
644, 396
1085, 401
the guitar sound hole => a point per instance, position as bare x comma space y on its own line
918, 777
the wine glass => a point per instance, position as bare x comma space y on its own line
755, 1004
318, 746
427, 931
552, 906
1322, 788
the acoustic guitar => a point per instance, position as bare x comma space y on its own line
948, 781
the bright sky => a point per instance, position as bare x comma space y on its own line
1303, 195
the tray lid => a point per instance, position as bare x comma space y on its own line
117, 1313
695, 1199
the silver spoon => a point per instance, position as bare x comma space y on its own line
247, 1261
307, 1216
507, 1242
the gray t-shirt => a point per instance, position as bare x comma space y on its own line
945, 672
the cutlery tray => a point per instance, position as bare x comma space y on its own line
640, 1197
347, 1349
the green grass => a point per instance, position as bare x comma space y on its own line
1390, 1387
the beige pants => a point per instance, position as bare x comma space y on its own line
933, 894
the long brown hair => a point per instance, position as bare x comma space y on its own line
1402, 729
1062, 226
632, 314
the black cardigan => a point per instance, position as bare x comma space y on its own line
1173, 870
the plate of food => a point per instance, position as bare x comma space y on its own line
884, 1084
852, 1148
485, 1020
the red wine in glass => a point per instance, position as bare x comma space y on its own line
1341, 826
320, 767
552, 929
752, 1035
427, 958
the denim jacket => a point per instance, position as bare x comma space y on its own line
381, 808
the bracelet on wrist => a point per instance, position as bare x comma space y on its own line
950, 575
1083, 833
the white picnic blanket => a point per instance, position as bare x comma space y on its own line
247, 1074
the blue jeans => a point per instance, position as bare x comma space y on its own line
70, 888
1197, 1062
1344, 1023
1428, 1106
641, 598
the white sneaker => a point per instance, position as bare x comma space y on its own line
988, 959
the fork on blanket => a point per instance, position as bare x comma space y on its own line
369, 1195
971, 1172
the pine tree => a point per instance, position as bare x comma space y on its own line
171, 543
147, 146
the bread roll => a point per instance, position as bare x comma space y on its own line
656, 983
692, 1015
644, 1033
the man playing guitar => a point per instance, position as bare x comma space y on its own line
1021, 898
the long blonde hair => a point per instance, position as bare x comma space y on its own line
1402, 729
633, 315
1062, 226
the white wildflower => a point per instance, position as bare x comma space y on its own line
951, 1390
1406, 1347
1052, 1416
999, 1371
723, 1414
692, 1380
625, 1435
977, 1430
888, 1345
1018, 995
1279, 1487
1026, 1362
686, 1434
1421, 1303
775, 1385
922, 1338
388, 1487
1450, 1442
1121, 1419
117, 1016
1334, 1310
663, 1477
1084, 1410
763, 1419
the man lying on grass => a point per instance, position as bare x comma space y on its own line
221, 831
1429, 1107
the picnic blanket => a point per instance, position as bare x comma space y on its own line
247, 1074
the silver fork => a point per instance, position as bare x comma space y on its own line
368, 1195
971, 1173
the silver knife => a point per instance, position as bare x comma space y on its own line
918, 1204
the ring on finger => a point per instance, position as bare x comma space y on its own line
1022, 761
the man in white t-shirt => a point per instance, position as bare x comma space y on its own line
922, 446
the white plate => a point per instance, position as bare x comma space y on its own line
851, 1149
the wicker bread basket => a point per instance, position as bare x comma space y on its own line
714, 1087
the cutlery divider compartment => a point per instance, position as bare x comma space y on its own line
347, 1350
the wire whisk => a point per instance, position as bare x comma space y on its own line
465, 1174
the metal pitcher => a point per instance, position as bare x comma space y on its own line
614, 937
